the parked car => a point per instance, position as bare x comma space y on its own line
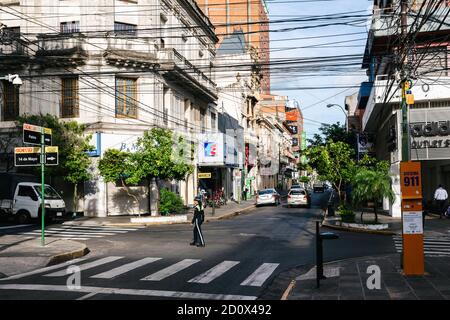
298, 197
296, 186
20, 196
267, 196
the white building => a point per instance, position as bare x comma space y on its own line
121, 67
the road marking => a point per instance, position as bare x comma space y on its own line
97, 230
166, 272
41, 270
56, 235
125, 268
118, 230
72, 233
130, 292
87, 296
260, 275
16, 226
214, 272
86, 266
84, 231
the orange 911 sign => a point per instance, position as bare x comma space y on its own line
410, 180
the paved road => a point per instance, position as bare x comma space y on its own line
242, 256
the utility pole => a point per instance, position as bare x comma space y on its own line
404, 81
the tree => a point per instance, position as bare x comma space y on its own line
154, 158
73, 146
114, 166
372, 184
333, 162
332, 133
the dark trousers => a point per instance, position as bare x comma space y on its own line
441, 206
198, 235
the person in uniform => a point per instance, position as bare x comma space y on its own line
197, 220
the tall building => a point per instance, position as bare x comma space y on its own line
248, 16
380, 96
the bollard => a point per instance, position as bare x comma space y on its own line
319, 251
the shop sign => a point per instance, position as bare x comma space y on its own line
430, 135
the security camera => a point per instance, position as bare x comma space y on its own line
15, 79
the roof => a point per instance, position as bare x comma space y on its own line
233, 44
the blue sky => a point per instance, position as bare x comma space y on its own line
309, 99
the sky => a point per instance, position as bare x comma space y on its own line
315, 111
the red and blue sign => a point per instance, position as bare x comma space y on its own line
210, 149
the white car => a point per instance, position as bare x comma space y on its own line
298, 197
268, 196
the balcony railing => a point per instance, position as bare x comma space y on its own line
12, 49
167, 56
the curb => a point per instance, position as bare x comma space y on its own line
66, 256
380, 232
288, 290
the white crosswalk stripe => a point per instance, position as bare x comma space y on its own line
433, 246
167, 272
86, 266
214, 272
79, 232
257, 278
125, 268
254, 278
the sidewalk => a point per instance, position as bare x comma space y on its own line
20, 254
227, 211
347, 280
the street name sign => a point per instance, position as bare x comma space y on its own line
32, 134
31, 156
27, 156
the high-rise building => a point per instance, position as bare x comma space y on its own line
248, 16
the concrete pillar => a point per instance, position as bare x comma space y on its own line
395, 208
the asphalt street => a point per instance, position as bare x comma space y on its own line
243, 255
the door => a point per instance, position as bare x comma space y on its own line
26, 199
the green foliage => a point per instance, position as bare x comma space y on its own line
304, 179
333, 162
170, 202
154, 158
332, 133
346, 214
372, 185
114, 165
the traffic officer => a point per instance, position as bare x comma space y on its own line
197, 220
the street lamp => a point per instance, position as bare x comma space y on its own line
13, 78
345, 113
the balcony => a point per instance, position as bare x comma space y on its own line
59, 45
425, 92
364, 93
177, 68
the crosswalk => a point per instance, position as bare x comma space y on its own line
79, 232
433, 246
247, 278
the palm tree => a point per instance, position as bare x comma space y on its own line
372, 185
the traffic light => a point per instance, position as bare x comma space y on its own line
392, 139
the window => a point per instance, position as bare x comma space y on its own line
70, 27
434, 61
69, 98
125, 28
213, 121
165, 108
202, 120
11, 36
10, 101
26, 191
126, 97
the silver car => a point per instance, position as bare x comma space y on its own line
268, 196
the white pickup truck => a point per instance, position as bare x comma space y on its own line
22, 199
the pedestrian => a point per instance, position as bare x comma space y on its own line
441, 195
197, 220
